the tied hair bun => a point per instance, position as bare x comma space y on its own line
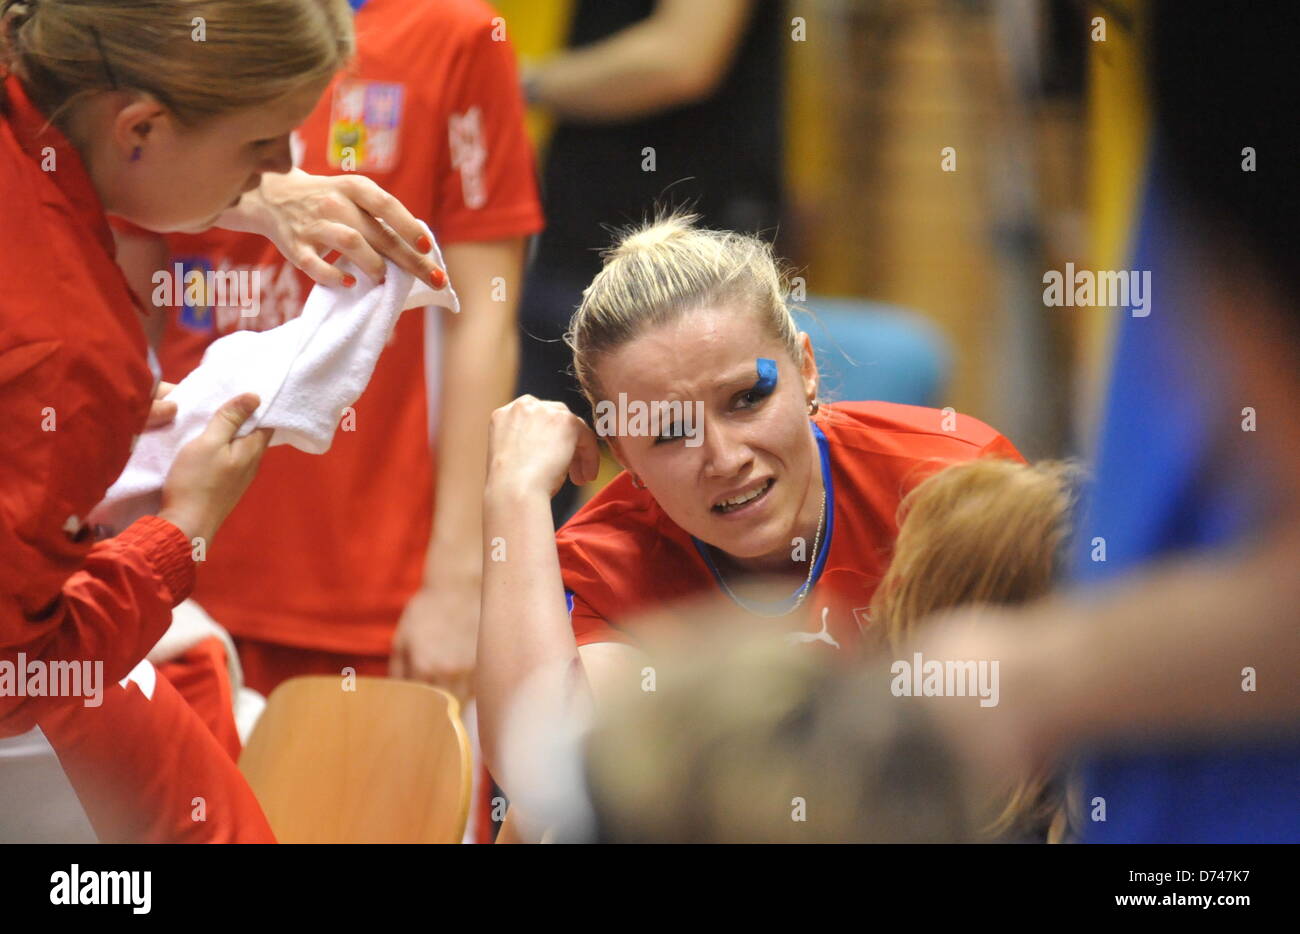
665, 228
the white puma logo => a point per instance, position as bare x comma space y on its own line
794, 638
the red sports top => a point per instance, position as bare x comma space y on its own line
323, 552
621, 555
74, 391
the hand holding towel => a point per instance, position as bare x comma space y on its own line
306, 372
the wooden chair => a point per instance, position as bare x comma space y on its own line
388, 762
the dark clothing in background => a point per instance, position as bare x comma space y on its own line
722, 157
723, 154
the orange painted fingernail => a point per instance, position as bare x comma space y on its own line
423, 243
349, 281
438, 278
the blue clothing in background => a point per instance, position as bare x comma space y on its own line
1157, 493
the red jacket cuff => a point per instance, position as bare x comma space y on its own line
168, 552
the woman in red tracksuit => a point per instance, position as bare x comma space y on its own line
165, 113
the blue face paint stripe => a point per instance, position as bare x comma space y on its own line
766, 376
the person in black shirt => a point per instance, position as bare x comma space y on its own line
659, 104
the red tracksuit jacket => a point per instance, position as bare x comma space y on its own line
75, 389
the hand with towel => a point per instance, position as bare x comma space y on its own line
304, 374
211, 472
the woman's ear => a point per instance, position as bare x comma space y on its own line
808, 368
135, 121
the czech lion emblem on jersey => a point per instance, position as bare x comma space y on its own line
365, 121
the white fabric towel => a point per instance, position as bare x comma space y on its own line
306, 372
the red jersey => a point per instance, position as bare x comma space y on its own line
324, 552
621, 555
75, 389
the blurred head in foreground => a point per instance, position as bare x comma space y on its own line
987, 532
757, 741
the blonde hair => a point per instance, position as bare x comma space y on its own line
668, 267
984, 532
252, 51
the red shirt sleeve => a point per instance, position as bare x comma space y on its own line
487, 186
147, 770
112, 610
584, 585
589, 628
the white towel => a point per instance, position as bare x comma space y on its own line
306, 372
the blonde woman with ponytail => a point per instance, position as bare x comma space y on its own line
745, 484
173, 115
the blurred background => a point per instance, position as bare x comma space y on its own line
937, 157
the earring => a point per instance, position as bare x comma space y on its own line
135, 154
636, 482
813, 406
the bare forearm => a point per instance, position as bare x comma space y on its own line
1196, 648
626, 77
673, 57
524, 629
480, 364
525, 639
479, 373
